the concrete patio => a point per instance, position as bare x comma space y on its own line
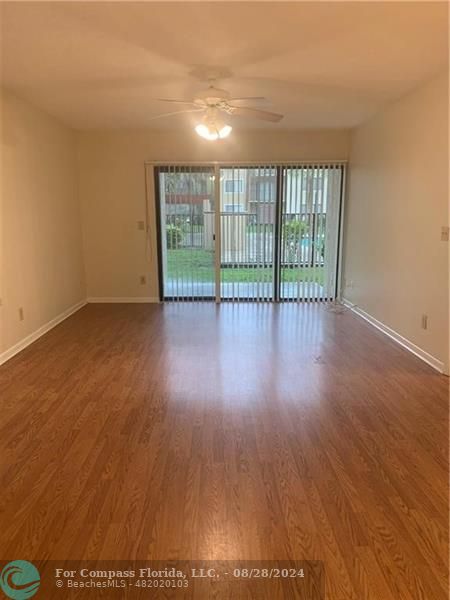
243, 290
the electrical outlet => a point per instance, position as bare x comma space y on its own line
141, 225
143, 279
21, 315
424, 321
445, 233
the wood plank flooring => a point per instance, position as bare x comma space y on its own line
244, 431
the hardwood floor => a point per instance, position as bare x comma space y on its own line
244, 431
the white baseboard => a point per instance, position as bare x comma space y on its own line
419, 352
126, 300
32, 337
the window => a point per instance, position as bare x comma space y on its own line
234, 186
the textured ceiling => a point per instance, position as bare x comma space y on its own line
322, 64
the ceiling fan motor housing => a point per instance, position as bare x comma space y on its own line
212, 96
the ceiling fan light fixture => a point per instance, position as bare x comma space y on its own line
213, 131
225, 131
205, 132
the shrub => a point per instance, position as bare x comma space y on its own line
174, 236
294, 230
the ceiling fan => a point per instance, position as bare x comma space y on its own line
214, 101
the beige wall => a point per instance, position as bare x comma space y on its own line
396, 266
112, 190
41, 263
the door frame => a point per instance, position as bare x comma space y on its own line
157, 167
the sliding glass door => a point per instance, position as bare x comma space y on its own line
247, 222
186, 231
274, 237
310, 215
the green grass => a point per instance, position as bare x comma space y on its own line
199, 266
190, 263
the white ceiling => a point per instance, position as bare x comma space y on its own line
322, 64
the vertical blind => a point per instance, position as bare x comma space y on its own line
310, 227
185, 201
248, 200
275, 237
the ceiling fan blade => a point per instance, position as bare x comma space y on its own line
250, 98
177, 112
264, 115
177, 101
